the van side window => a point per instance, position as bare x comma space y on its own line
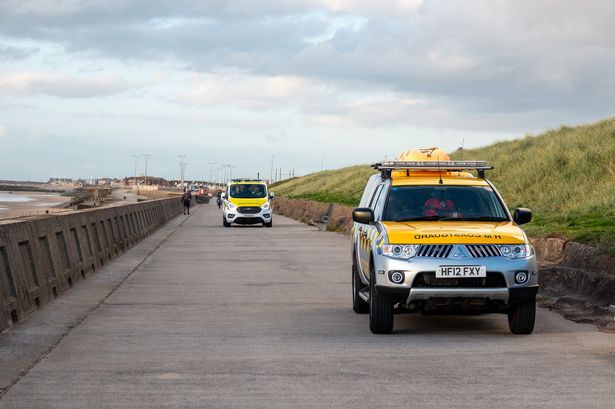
379, 207
372, 202
369, 190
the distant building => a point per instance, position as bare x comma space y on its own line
151, 181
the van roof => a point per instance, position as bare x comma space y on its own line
251, 181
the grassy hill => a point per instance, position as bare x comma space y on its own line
566, 176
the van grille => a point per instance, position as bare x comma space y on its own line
428, 280
435, 250
248, 210
483, 250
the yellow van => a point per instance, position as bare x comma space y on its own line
247, 201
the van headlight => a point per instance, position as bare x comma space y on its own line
231, 206
403, 251
266, 206
516, 251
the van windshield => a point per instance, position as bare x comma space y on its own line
444, 203
248, 191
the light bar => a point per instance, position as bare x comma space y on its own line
455, 165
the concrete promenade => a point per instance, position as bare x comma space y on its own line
201, 316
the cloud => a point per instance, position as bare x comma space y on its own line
472, 56
59, 85
371, 7
245, 92
10, 53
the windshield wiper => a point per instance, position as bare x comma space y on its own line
453, 219
421, 219
484, 219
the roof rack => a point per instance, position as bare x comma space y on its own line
455, 166
246, 180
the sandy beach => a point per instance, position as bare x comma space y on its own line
17, 204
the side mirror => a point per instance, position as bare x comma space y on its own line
363, 215
522, 216
223, 195
271, 195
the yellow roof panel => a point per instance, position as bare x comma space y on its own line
432, 178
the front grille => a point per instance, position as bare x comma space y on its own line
249, 210
428, 280
435, 250
483, 250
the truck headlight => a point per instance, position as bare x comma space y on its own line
266, 206
403, 251
515, 251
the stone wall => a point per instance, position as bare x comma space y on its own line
336, 217
581, 278
43, 257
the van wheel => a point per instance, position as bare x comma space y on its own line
270, 224
380, 309
358, 305
225, 223
522, 316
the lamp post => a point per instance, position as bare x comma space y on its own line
136, 157
146, 156
182, 169
211, 171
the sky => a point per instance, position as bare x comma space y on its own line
85, 85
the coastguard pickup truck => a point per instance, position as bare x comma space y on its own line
430, 236
246, 201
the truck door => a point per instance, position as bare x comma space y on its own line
366, 233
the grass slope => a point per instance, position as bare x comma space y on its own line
342, 186
566, 176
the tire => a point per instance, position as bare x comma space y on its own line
522, 316
358, 305
380, 309
225, 223
270, 224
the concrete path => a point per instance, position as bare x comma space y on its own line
249, 317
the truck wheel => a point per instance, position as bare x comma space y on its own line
380, 309
522, 316
358, 305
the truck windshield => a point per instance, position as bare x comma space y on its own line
444, 203
248, 191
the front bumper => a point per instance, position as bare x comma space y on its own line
509, 292
235, 216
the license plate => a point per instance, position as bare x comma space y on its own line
461, 271
248, 215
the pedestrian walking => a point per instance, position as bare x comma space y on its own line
219, 199
186, 199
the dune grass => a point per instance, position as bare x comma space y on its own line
566, 176
342, 186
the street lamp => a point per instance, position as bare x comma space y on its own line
211, 171
136, 157
146, 156
182, 169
